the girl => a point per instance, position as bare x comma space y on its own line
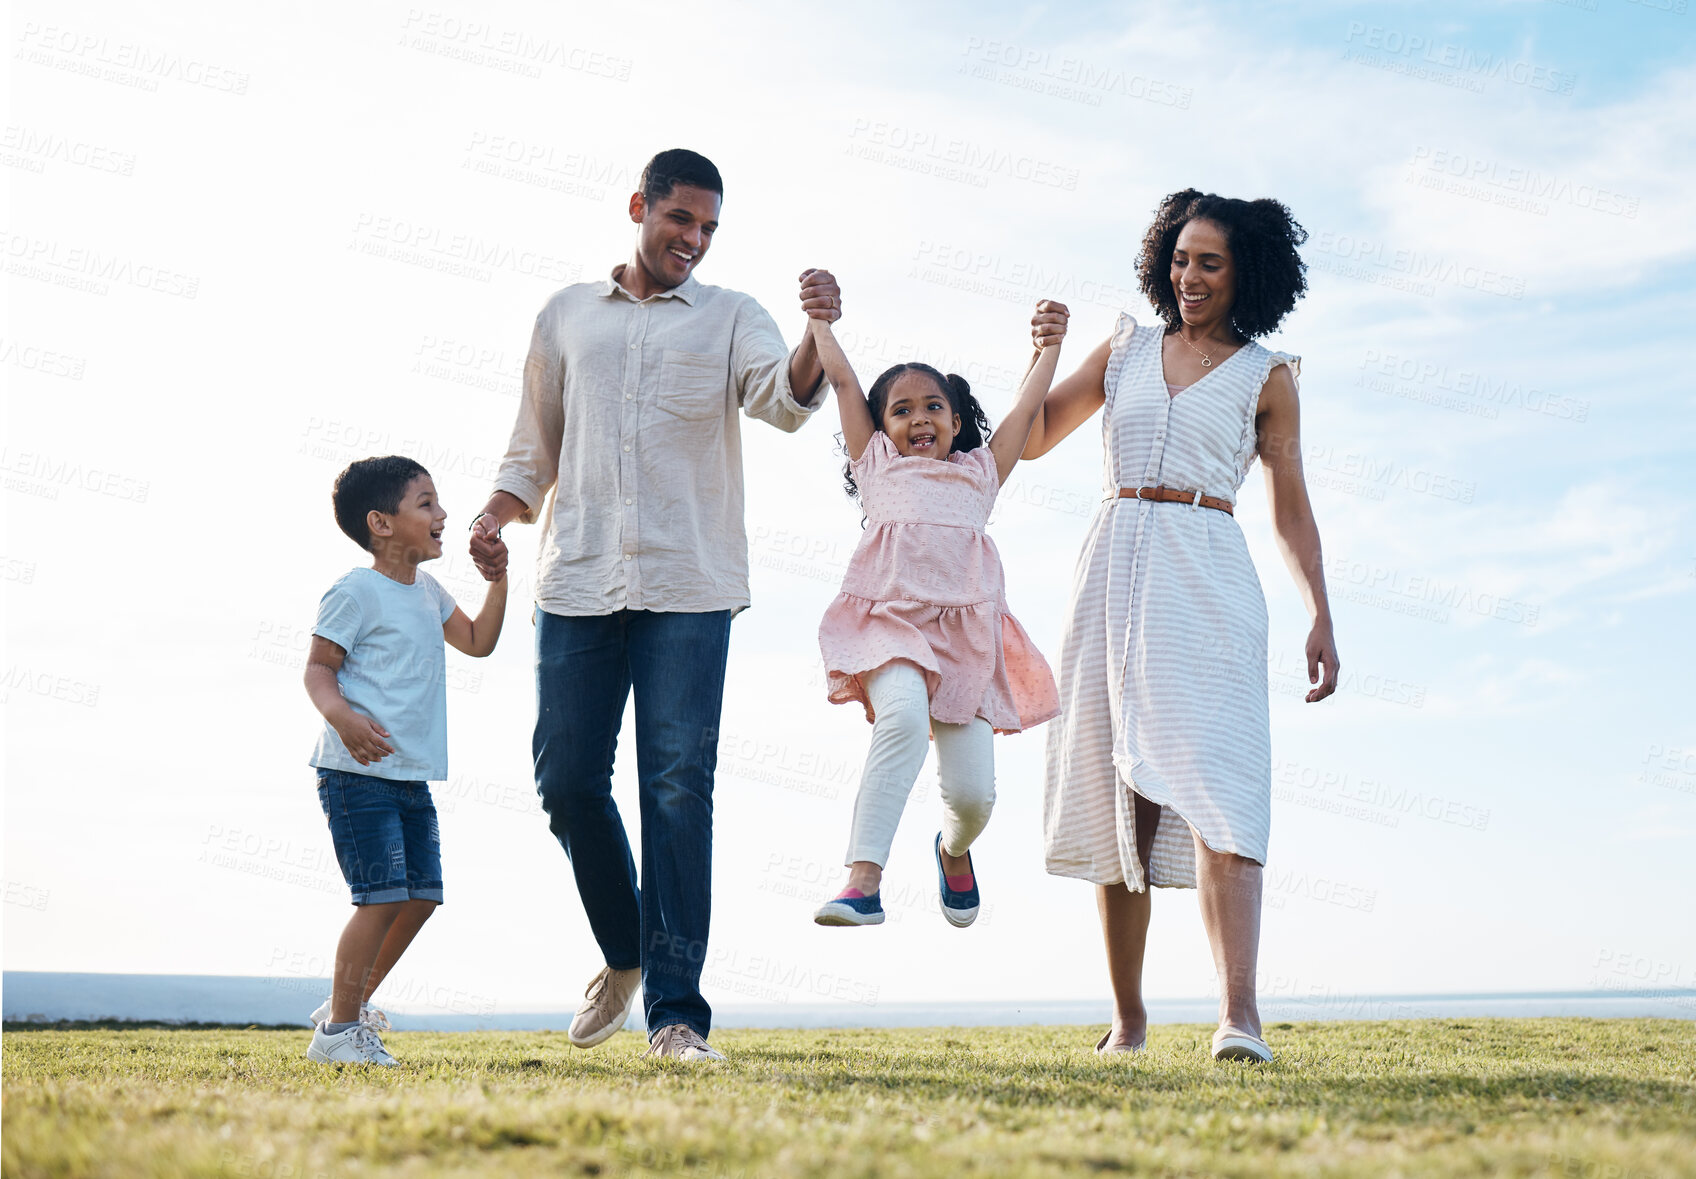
920, 634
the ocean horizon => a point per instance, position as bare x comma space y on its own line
49, 997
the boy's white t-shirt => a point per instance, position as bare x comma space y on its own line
395, 671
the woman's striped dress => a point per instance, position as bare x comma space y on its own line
1163, 657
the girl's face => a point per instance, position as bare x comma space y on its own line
918, 417
1204, 278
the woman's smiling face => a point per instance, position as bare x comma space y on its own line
919, 418
1204, 276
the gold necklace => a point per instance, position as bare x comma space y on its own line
1206, 360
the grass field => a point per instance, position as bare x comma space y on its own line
1590, 1099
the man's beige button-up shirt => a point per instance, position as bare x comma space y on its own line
627, 429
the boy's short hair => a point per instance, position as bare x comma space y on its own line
373, 484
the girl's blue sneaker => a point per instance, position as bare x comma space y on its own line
851, 910
959, 907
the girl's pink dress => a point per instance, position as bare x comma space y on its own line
925, 585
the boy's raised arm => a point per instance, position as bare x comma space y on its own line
477, 636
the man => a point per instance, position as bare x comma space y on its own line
627, 430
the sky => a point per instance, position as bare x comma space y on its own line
245, 250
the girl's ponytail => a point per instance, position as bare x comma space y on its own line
974, 423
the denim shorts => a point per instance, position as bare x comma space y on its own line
385, 836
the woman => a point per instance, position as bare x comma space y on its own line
1159, 769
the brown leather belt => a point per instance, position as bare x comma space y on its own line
1171, 495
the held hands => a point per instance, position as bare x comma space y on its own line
821, 298
1048, 325
488, 550
1321, 649
364, 737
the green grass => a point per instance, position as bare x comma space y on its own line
1589, 1099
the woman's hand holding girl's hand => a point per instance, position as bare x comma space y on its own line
821, 298
1048, 325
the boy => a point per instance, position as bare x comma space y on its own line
376, 671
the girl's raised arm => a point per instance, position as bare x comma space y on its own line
857, 424
1048, 328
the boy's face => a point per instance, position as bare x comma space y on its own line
414, 531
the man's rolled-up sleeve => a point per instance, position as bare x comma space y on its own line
759, 363
531, 464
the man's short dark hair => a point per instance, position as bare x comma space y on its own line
373, 484
676, 166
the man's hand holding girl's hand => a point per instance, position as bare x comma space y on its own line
821, 298
1048, 325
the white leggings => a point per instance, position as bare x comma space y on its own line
965, 756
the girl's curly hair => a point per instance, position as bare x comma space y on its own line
974, 423
1262, 237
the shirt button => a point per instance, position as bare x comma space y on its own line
633, 347
627, 556
627, 396
628, 502
627, 448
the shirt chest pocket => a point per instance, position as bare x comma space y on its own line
692, 385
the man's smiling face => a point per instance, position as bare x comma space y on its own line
676, 232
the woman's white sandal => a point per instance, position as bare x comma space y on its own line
1230, 1044
1101, 1048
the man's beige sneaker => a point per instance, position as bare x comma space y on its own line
681, 1042
606, 1005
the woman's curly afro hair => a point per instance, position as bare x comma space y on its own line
1263, 238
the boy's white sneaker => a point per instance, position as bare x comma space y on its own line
374, 1018
358, 1045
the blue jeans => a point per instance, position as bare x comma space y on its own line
585, 670
385, 835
